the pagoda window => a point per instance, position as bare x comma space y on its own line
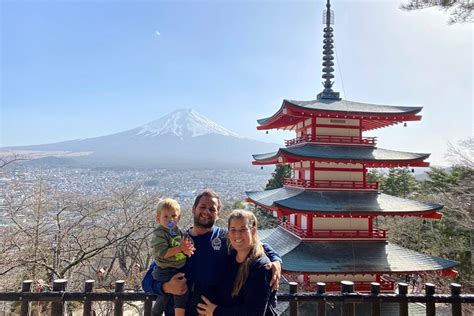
307, 174
297, 173
292, 219
307, 122
304, 222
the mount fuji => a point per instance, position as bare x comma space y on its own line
181, 139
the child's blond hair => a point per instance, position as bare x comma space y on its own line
168, 204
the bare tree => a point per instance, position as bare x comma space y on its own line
462, 153
52, 235
460, 11
8, 157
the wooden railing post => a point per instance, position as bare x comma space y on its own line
456, 309
348, 309
321, 304
403, 304
57, 308
88, 288
25, 305
147, 306
293, 304
375, 290
118, 306
430, 306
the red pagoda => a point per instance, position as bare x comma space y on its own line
327, 209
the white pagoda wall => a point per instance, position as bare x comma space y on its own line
337, 121
328, 131
341, 277
338, 175
302, 170
320, 223
339, 127
338, 165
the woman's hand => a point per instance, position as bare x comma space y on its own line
207, 308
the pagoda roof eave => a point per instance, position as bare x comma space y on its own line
374, 157
343, 257
291, 111
328, 203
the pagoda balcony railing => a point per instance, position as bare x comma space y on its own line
343, 233
59, 301
334, 233
331, 184
345, 140
293, 228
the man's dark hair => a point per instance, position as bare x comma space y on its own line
210, 194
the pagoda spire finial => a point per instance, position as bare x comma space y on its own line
328, 57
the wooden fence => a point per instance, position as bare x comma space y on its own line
346, 297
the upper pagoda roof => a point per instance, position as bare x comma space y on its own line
340, 202
372, 115
346, 257
368, 155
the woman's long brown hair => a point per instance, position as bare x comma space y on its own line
255, 252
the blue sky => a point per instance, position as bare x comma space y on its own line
79, 69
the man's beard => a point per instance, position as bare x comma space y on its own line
208, 223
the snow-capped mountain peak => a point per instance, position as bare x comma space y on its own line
183, 123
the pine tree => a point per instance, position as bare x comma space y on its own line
281, 172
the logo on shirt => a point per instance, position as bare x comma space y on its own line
216, 243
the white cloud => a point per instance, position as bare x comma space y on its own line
157, 33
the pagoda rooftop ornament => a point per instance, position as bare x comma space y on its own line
328, 57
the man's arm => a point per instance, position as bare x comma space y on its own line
271, 253
176, 285
275, 266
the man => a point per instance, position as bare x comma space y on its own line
204, 269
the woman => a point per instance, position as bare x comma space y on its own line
246, 289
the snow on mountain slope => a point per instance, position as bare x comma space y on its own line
183, 123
